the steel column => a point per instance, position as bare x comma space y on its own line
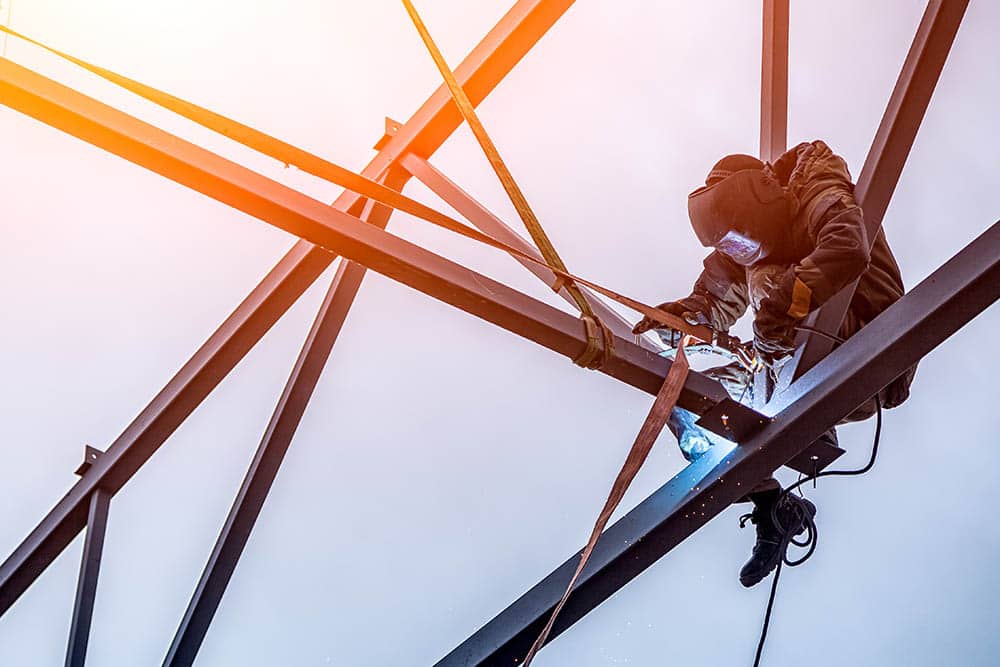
486, 222
86, 585
774, 80
949, 298
887, 156
271, 452
773, 121
479, 73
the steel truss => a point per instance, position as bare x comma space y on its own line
830, 386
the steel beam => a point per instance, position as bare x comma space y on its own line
887, 156
271, 452
436, 119
486, 222
949, 298
773, 119
339, 232
86, 585
774, 80
773, 116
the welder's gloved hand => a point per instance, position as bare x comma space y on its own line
776, 318
692, 313
772, 353
897, 391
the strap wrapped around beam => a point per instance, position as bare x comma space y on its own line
600, 344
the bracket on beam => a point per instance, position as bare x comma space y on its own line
391, 128
819, 455
90, 456
732, 420
738, 423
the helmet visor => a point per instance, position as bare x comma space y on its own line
738, 211
741, 248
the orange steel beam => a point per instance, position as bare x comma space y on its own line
488, 63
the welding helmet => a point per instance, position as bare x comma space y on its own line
741, 213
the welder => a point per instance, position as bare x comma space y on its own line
786, 237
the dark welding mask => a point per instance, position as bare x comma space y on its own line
742, 215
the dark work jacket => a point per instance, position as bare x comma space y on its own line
824, 249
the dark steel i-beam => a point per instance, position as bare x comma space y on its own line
502, 48
86, 585
887, 156
271, 452
940, 305
774, 80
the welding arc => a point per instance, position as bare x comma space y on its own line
517, 197
292, 155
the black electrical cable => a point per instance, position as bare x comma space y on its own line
810, 540
767, 614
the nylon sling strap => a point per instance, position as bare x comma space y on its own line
517, 197
599, 337
333, 173
665, 401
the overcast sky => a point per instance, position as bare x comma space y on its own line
446, 465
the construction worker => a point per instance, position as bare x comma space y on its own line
786, 237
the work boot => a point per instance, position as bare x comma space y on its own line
793, 514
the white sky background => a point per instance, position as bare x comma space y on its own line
445, 465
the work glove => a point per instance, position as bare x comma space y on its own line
774, 325
898, 390
773, 354
692, 313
